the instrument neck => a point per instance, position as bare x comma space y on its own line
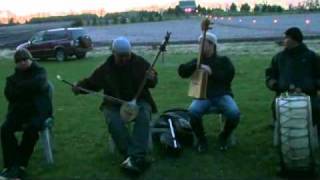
108, 98
200, 57
144, 81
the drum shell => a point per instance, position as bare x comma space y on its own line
295, 134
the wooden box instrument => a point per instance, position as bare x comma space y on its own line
199, 78
198, 84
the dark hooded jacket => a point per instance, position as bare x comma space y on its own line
28, 93
298, 66
121, 81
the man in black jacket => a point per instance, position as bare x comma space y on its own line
120, 76
219, 93
29, 106
295, 69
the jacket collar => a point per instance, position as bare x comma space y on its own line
297, 50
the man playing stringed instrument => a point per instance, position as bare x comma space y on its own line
120, 77
219, 94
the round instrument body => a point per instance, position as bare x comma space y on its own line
129, 111
296, 135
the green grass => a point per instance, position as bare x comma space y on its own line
81, 136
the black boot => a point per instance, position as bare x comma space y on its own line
202, 145
224, 136
14, 172
135, 166
197, 127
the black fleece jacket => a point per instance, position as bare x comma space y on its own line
219, 82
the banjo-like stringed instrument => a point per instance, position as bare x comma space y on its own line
199, 79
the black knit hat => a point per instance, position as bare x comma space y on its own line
295, 34
21, 55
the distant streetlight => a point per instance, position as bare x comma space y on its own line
308, 21
275, 21
240, 20
254, 21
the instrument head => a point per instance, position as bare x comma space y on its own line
205, 24
129, 111
165, 42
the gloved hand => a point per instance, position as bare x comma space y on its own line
206, 68
298, 90
151, 74
294, 89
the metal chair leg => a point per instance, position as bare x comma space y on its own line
47, 145
47, 141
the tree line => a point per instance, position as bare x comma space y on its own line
174, 13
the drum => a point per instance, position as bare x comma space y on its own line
294, 132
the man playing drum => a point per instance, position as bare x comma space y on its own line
120, 77
219, 94
295, 69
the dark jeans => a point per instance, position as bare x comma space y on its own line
15, 154
224, 104
133, 144
221, 104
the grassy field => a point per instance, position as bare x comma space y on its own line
81, 136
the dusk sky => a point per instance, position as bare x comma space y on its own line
26, 7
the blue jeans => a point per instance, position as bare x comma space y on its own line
220, 104
133, 144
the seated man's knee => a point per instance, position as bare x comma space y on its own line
195, 115
196, 112
5, 129
199, 107
232, 114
